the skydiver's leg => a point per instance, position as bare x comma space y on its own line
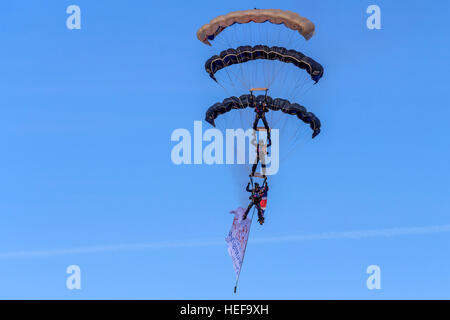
255, 164
255, 123
260, 214
248, 209
266, 125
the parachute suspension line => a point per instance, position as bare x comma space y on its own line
231, 82
303, 140
251, 33
284, 80
229, 78
309, 88
271, 76
267, 68
245, 250
229, 36
271, 118
284, 123
220, 125
302, 85
241, 79
279, 44
247, 86
262, 78
224, 88
246, 81
290, 148
275, 120
294, 135
267, 73
299, 137
258, 30
271, 69
299, 85
241, 114
278, 37
277, 72
267, 34
289, 92
290, 39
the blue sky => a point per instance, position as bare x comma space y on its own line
85, 123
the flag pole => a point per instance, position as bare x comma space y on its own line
245, 250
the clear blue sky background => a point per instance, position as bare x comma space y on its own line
85, 124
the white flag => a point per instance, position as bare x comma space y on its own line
237, 238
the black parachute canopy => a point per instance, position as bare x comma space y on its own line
249, 100
244, 54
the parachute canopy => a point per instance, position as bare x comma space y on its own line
290, 19
247, 53
249, 100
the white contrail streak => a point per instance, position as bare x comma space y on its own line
392, 232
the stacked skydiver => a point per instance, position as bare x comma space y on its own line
257, 194
260, 113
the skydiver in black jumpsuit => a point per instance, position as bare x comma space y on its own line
257, 194
260, 110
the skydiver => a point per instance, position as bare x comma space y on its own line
260, 110
261, 152
256, 196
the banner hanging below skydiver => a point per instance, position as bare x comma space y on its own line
237, 239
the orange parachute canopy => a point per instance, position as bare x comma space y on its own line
290, 19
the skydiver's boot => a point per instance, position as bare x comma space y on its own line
260, 214
261, 220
